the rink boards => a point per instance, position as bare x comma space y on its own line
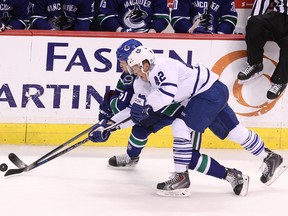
51, 89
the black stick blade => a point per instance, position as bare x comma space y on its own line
14, 171
16, 161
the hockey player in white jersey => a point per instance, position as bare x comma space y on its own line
182, 149
156, 121
207, 107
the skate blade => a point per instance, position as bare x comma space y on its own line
174, 193
127, 167
245, 188
256, 75
277, 173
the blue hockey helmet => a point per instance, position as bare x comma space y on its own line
126, 48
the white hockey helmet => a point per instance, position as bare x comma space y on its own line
139, 54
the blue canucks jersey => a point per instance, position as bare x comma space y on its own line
134, 15
220, 15
14, 13
75, 15
123, 93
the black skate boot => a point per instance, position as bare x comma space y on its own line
238, 181
123, 160
272, 167
177, 186
275, 91
251, 72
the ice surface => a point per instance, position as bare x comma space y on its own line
80, 183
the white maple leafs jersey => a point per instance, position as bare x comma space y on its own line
170, 82
173, 81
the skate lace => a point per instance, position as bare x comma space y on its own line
123, 159
265, 167
173, 178
234, 179
275, 88
248, 70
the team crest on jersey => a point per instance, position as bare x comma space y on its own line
135, 18
66, 21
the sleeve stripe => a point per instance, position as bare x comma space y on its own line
169, 84
166, 93
196, 83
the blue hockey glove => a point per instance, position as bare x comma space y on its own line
98, 134
139, 110
104, 112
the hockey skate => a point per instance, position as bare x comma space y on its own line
238, 181
177, 186
123, 161
272, 167
250, 73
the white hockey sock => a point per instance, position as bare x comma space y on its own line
248, 139
182, 152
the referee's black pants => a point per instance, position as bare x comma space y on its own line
271, 26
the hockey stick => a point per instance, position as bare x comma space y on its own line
34, 165
20, 164
38, 163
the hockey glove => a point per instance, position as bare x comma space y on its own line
98, 134
139, 110
105, 111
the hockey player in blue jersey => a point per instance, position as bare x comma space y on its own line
134, 16
204, 16
53, 15
13, 14
118, 99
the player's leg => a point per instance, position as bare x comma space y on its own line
187, 155
137, 141
179, 183
273, 165
226, 125
209, 166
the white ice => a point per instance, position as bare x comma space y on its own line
80, 183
